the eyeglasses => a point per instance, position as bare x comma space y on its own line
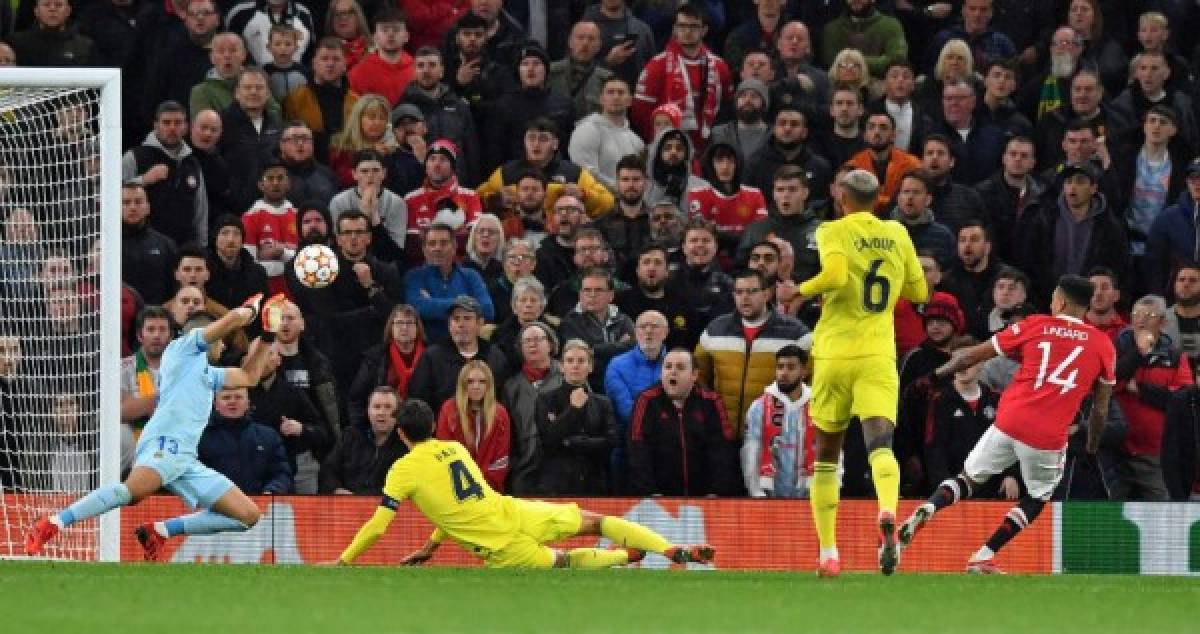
534, 339
1137, 314
518, 257
200, 14
1067, 42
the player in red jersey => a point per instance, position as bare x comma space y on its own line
1062, 360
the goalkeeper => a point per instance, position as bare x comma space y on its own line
447, 487
166, 452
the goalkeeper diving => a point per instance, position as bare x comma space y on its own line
446, 486
166, 451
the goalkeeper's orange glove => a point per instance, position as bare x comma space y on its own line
253, 302
272, 314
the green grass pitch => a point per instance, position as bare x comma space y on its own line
173, 599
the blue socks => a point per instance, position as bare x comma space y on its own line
95, 503
202, 523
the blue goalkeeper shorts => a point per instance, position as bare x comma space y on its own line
182, 474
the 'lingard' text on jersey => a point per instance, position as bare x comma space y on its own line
875, 242
1063, 332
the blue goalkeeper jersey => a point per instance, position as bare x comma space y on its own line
186, 384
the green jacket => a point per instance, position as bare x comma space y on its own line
215, 93
879, 37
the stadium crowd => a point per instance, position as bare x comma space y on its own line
575, 229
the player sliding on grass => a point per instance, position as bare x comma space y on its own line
1062, 359
866, 265
447, 487
166, 452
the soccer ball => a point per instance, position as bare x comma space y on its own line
316, 266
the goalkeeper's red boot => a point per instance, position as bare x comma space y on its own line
150, 540
829, 568
43, 531
635, 554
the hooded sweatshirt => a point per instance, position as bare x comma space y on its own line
671, 182
1072, 237
778, 448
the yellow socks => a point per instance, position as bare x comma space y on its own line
628, 534
824, 501
885, 473
596, 558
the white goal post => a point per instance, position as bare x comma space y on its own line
88, 195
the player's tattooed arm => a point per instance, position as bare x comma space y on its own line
964, 358
1101, 393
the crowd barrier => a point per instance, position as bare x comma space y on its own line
1074, 537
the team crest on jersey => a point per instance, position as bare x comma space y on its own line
680, 322
989, 412
695, 205
191, 181
958, 413
744, 211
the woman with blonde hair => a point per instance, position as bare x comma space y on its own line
390, 362
474, 418
347, 22
849, 69
368, 128
955, 61
484, 244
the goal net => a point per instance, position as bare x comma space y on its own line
59, 301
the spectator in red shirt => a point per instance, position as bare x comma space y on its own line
474, 418
685, 74
388, 70
724, 200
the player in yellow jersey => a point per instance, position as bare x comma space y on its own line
446, 486
866, 264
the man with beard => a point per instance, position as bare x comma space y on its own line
323, 103
554, 255
501, 36
312, 224
1182, 322
788, 145
883, 159
650, 292
441, 190
1073, 234
686, 74
532, 99
749, 130
147, 256
601, 139
526, 216
473, 72
173, 179
306, 369
1051, 89
791, 218
1102, 312
589, 253
943, 320
666, 230
845, 138
700, 278
447, 115
306, 434
389, 69
670, 170
736, 353
912, 211
726, 202
234, 276
775, 457
954, 204
139, 372
972, 275
627, 226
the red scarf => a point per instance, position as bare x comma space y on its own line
773, 414
399, 370
534, 375
677, 86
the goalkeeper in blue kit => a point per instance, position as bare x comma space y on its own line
166, 452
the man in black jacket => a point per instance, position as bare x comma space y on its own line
172, 176
1009, 191
251, 132
147, 256
51, 41
435, 378
359, 462
596, 321
700, 279
788, 145
171, 72
972, 275
306, 434
680, 437
505, 133
233, 273
447, 115
308, 178
247, 452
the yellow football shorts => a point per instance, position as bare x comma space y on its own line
540, 523
862, 387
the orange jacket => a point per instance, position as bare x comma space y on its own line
899, 164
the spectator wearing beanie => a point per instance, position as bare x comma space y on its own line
749, 130
447, 115
532, 99
233, 273
440, 193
